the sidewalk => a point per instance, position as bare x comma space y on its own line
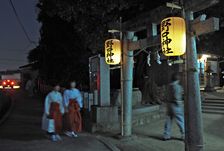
149, 137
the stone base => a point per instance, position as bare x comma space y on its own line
136, 97
147, 114
104, 119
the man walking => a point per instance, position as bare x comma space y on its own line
174, 107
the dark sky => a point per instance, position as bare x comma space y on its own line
14, 46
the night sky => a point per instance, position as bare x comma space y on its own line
14, 45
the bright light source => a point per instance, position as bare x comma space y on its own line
173, 36
204, 58
12, 83
8, 80
16, 87
4, 83
113, 51
169, 62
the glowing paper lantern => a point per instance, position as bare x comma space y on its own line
113, 51
173, 36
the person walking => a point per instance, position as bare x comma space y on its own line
174, 107
73, 104
29, 87
53, 111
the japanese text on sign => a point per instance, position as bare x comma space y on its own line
109, 51
166, 40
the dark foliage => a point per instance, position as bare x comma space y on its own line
73, 30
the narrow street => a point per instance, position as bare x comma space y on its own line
22, 130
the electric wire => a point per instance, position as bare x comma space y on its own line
20, 23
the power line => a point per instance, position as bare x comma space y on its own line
20, 22
11, 60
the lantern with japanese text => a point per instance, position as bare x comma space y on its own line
113, 51
173, 36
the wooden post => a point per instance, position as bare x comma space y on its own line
127, 84
194, 129
121, 79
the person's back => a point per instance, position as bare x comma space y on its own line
175, 92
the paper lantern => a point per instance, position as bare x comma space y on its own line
113, 51
173, 36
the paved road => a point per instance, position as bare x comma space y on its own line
22, 132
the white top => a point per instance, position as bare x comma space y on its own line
72, 94
53, 96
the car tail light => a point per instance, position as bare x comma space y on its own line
12, 83
4, 83
8, 80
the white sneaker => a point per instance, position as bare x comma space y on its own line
58, 137
54, 138
74, 134
69, 134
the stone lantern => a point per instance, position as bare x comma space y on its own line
209, 80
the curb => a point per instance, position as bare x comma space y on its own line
6, 115
107, 143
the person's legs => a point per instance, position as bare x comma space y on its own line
56, 115
167, 128
71, 121
53, 137
179, 115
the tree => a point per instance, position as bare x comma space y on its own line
72, 30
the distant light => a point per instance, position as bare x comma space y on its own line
16, 87
169, 62
204, 58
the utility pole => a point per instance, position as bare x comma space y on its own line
121, 79
194, 128
127, 67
